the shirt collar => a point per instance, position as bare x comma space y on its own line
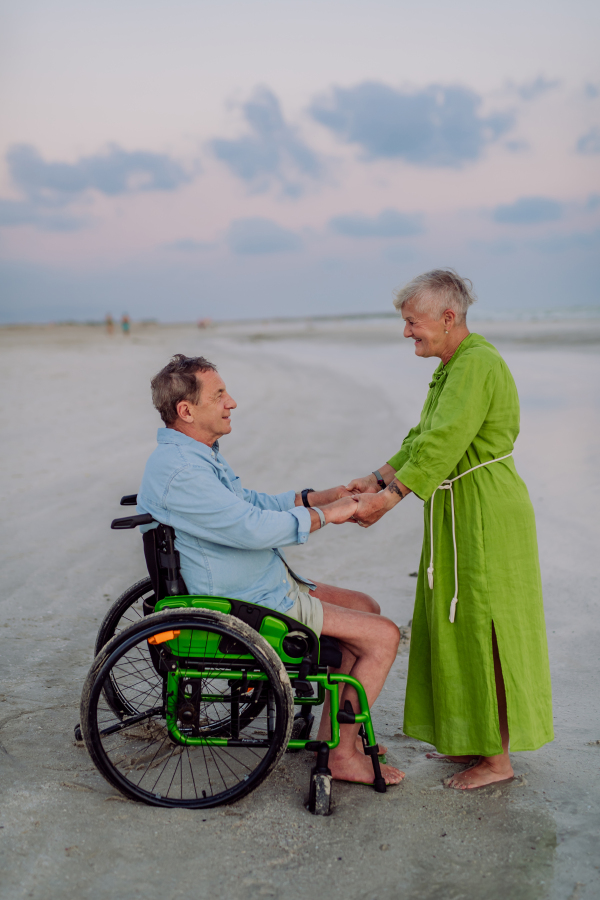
171, 436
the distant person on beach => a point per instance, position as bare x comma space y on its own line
478, 671
110, 324
125, 323
229, 539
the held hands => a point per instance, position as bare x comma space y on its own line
371, 507
341, 510
367, 485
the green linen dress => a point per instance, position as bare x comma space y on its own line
471, 415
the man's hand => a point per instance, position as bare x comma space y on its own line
323, 498
337, 513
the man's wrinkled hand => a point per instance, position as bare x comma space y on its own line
340, 511
367, 485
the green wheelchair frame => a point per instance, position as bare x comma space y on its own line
198, 674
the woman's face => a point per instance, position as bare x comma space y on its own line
428, 334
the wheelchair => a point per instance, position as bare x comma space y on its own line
190, 701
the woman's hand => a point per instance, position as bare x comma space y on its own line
369, 485
371, 507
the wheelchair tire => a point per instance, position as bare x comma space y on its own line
127, 610
137, 755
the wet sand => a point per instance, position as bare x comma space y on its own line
319, 402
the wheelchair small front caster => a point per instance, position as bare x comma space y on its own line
319, 797
77, 732
301, 727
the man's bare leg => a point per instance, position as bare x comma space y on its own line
373, 642
349, 600
491, 768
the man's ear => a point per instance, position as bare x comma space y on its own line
184, 412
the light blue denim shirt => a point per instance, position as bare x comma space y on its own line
227, 536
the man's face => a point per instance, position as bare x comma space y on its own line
211, 417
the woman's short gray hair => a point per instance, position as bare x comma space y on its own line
438, 290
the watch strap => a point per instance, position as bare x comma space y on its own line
304, 495
380, 480
321, 515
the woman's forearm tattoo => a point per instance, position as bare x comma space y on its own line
394, 489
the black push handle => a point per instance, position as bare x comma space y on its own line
129, 500
132, 521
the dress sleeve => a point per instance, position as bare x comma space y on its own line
461, 410
398, 460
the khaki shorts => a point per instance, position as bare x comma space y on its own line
306, 608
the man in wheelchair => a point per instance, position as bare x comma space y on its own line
229, 541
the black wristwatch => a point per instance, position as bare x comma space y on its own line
304, 495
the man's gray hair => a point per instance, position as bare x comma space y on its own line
177, 382
438, 290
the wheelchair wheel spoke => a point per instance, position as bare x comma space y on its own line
197, 756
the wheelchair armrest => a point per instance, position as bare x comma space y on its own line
129, 500
131, 521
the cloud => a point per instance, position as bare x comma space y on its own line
272, 153
592, 202
528, 211
389, 223
591, 91
531, 90
112, 173
577, 240
259, 235
436, 126
187, 245
590, 142
24, 212
48, 187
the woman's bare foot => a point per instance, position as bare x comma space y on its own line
359, 768
455, 759
491, 770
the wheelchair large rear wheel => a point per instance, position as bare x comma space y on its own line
132, 607
141, 756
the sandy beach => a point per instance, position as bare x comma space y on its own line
319, 402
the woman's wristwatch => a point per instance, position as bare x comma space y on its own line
304, 496
380, 480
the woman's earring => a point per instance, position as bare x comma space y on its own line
445, 332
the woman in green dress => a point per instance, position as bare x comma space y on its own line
478, 669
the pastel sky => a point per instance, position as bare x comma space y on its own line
244, 158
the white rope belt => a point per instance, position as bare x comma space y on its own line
447, 486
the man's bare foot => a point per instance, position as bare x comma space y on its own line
455, 759
359, 768
491, 770
359, 746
